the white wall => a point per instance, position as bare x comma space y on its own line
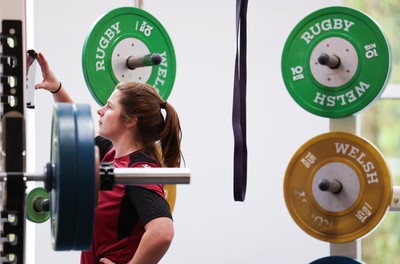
210, 226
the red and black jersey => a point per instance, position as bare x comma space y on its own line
122, 213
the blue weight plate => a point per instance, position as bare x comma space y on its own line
86, 190
336, 260
63, 198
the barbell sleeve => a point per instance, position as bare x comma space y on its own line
395, 203
41, 205
331, 61
134, 62
132, 176
326, 185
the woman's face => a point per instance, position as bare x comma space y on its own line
110, 124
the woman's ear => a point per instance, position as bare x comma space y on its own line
131, 122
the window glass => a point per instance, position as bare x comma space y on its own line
386, 13
380, 124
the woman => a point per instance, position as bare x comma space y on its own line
133, 224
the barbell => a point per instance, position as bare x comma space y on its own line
125, 44
74, 175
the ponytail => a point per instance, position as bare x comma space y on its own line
153, 129
170, 137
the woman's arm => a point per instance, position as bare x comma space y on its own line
50, 82
155, 241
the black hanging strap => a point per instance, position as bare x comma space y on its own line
239, 104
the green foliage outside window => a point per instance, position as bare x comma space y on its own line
387, 14
381, 125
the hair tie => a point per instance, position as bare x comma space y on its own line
163, 105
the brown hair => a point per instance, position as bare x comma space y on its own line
153, 131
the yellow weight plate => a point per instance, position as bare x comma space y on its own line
346, 213
170, 195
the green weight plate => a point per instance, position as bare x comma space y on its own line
336, 260
32, 213
63, 198
85, 189
363, 52
119, 34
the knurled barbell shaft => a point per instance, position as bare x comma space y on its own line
331, 61
134, 62
128, 176
326, 185
28, 176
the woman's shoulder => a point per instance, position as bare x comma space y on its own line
141, 159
